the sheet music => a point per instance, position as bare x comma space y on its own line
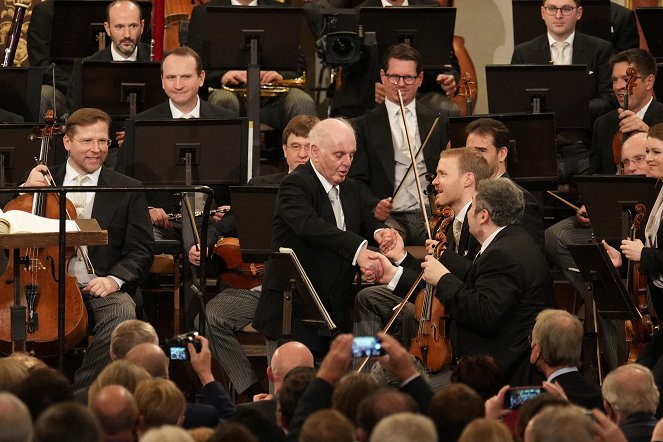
309, 285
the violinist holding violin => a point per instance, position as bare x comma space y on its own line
119, 266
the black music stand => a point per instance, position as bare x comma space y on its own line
651, 22
253, 207
532, 149
430, 30
609, 197
541, 88
20, 91
300, 296
80, 37
528, 24
253, 38
121, 89
18, 152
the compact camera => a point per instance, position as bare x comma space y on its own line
176, 347
517, 396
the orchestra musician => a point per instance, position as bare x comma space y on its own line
382, 151
643, 108
122, 264
124, 25
493, 301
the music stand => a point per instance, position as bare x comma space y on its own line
79, 38
20, 91
651, 23
430, 30
119, 88
540, 88
608, 197
253, 207
18, 152
532, 149
528, 24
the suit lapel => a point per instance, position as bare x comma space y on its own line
103, 213
384, 146
425, 121
580, 52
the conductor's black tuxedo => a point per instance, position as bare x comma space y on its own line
590, 51
304, 221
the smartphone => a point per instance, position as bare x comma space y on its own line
363, 346
179, 353
517, 396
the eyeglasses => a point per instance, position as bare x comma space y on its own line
407, 79
638, 160
296, 147
552, 10
88, 142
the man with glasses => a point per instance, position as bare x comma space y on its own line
383, 156
122, 264
643, 108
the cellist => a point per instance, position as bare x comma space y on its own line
122, 264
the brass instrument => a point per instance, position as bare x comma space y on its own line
14, 34
266, 89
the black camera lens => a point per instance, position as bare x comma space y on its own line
342, 46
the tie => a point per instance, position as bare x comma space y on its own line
457, 228
186, 116
408, 120
78, 198
560, 46
336, 206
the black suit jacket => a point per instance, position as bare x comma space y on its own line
9, 117
373, 165
590, 51
532, 216
624, 28
106, 55
494, 301
601, 158
304, 221
580, 391
130, 248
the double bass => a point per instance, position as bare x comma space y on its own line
38, 270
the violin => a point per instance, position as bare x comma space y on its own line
238, 274
38, 274
619, 138
468, 88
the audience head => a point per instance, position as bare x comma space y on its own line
349, 391
15, 420
263, 429
27, 361
122, 372
117, 413
130, 333
375, 407
401, 70
181, 76
629, 389
232, 432
202, 434
151, 357
458, 172
646, 69
286, 357
556, 340
532, 407
294, 385
486, 430
498, 203
124, 25
452, 408
653, 149
560, 424
86, 139
634, 155
560, 17
42, 388
327, 426
482, 373
295, 141
333, 147
490, 138
159, 402
406, 426
12, 373
167, 433
67, 422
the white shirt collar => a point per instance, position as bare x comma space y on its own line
325, 183
119, 57
569, 39
236, 3
462, 213
641, 113
387, 4
393, 108
176, 113
560, 372
490, 239
71, 174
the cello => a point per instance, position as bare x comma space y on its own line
39, 268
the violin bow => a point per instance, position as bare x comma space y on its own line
192, 219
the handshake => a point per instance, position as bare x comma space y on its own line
376, 266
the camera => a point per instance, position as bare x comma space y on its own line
176, 347
517, 396
366, 346
341, 40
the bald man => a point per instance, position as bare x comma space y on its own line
117, 413
151, 357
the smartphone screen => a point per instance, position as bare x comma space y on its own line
517, 396
363, 346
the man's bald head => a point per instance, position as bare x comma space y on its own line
130, 333
151, 357
286, 357
116, 411
633, 155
